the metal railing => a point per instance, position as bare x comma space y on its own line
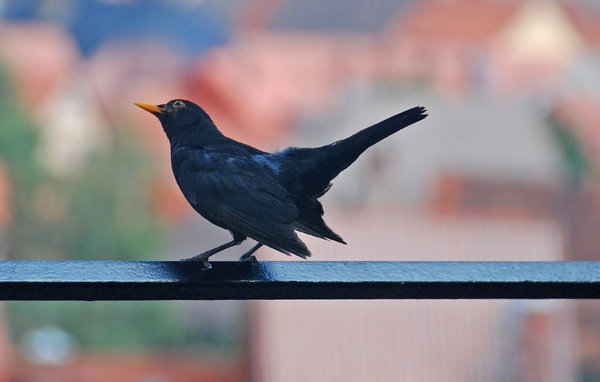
172, 280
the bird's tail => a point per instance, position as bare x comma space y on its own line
336, 157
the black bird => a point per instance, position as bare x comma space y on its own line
253, 193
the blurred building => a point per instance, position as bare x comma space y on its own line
477, 340
504, 168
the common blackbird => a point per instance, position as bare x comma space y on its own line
253, 193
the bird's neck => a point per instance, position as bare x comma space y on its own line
190, 137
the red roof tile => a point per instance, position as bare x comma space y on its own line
457, 20
40, 56
586, 20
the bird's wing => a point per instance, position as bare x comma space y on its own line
240, 195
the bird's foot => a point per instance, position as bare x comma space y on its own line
203, 257
250, 259
249, 256
206, 265
200, 258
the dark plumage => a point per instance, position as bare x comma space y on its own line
252, 193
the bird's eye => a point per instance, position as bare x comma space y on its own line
178, 104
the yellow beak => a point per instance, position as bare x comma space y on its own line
149, 107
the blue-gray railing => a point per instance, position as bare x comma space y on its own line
172, 280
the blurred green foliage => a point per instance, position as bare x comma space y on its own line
102, 212
124, 325
571, 149
18, 141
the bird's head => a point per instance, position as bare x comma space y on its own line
181, 118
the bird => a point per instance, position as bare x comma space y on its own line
255, 194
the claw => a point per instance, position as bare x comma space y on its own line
206, 265
250, 259
204, 260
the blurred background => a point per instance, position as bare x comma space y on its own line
504, 168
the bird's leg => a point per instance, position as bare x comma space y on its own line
248, 255
203, 257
